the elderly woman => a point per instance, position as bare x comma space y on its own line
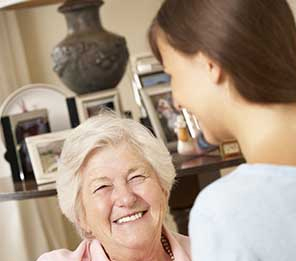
113, 184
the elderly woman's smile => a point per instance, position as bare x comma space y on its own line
130, 217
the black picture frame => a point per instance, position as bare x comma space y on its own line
15, 128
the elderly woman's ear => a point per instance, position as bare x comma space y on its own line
82, 224
166, 193
84, 228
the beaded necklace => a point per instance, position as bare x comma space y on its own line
167, 247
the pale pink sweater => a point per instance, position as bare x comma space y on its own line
93, 251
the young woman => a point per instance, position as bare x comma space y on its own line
233, 64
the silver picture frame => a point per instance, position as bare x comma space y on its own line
158, 103
89, 105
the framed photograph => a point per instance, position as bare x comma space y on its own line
89, 105
45, 151
147, 72
230, 149
15, 129
161, 112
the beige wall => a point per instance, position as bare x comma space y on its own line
43, 27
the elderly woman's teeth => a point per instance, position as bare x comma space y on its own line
130, 218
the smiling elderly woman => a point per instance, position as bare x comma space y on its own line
113, 184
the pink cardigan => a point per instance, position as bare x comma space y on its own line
93, 251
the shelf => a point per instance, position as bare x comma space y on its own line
205, 164
184, 166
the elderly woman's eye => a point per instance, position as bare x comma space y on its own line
100, 188
138, 178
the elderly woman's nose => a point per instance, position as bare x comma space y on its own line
124, 196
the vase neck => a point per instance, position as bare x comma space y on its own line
83, 20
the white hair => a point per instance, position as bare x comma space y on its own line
102, 131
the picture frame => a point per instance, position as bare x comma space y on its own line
15, 128
161, 112
230, 149
89, 105
45, 151
37, 96
146, 72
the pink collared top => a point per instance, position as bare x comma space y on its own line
91, 250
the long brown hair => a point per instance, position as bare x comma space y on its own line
254, 42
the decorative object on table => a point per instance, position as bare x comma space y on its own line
162, 114
91, 104
33, 97
15, 129
45, 151
90, 58
194, 144
185, 145
230, 149
204, 145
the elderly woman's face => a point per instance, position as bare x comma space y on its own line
124, 204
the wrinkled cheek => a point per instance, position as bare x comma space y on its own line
103, 231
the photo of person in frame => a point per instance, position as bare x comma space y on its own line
167, 114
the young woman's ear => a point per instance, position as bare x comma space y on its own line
213, 70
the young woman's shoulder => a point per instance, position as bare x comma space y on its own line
249, 189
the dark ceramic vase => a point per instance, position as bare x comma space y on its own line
89, 59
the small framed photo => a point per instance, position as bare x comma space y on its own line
89, 105
45, 151
158, 102
230, 149
16, 128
